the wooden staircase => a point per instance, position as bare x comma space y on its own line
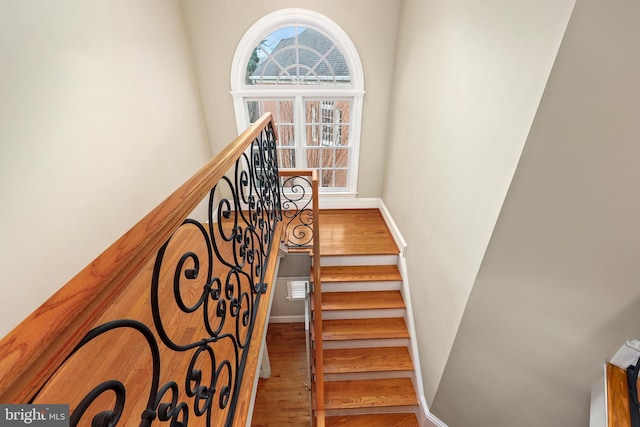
368, 371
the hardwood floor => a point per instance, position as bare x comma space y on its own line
361, 273
358, 232
283, 399
363, 329
370, 394
366, 300
350, 360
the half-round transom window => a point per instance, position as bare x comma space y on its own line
301, 67
296, 55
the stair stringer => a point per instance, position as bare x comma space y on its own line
425, 417
345, 260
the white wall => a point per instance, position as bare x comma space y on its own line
469, 77
100, 119
559, 289
294, 266
216, 29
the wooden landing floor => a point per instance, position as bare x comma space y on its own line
355, 232
282, 399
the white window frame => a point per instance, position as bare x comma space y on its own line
240, 91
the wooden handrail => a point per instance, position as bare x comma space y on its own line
295, 172
617, 400
34, 349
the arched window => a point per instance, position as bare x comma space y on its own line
302, 67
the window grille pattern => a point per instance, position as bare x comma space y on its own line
296, 55
303, 68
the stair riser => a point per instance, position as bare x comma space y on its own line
361, 286
359, 260
414, 409
383, 342
368, 376
363, 314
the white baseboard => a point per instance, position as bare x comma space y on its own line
328, 202
413, 344
431, 419
393, 228
427, 419
287, 319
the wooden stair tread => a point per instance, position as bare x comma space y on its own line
368, 300
355, 232
369, 393
360, 273
373, 420
360, 329
380, 359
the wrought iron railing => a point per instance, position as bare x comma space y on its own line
632, 387
186, 348
297, 207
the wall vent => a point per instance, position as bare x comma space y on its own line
297, 290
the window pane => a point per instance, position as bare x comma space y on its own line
345, 109
285, 112
326, 130
286, 136
312, 115
254, 110
282, 111
296, 55
326, 137
327, 157
286, 158
326, 124
342, 157
312, 111
343, 136
340, 178
326, 178
313, 135
313, 158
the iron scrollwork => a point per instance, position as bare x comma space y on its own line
632, 385
229, 265
297, 210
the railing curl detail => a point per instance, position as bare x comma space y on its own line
228, 266
297, 210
